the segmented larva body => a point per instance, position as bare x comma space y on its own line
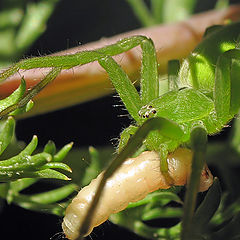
130, 183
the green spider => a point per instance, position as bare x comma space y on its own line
200, 99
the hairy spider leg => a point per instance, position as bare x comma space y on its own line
226, 91
198, 145
72, 60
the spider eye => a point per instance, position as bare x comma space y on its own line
154, 111
150, 106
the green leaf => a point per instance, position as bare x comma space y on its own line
28, 150
46, 173
27, 107
25, 202
231, 231
21, 184
24, 163
58, 165
167, 212
6, 134
50, 148
178, 10
94, 168
158, 198
142, 12
61, 154
14, 97
207, 209
54, 195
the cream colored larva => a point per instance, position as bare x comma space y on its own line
130, 183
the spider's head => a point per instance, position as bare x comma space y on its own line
147, 111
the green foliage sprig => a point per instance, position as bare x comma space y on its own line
28, 166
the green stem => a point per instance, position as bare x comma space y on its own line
157, 7
142, 13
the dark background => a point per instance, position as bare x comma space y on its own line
94, 123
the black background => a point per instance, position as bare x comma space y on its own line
94, 123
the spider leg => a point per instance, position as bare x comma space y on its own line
198, 144
72, 60
149, 85
125, 136
163, 153
149, 80
226, 94
125, 88
173, 69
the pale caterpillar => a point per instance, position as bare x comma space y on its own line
130, 183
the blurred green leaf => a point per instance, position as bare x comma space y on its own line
207, 209
21, 23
